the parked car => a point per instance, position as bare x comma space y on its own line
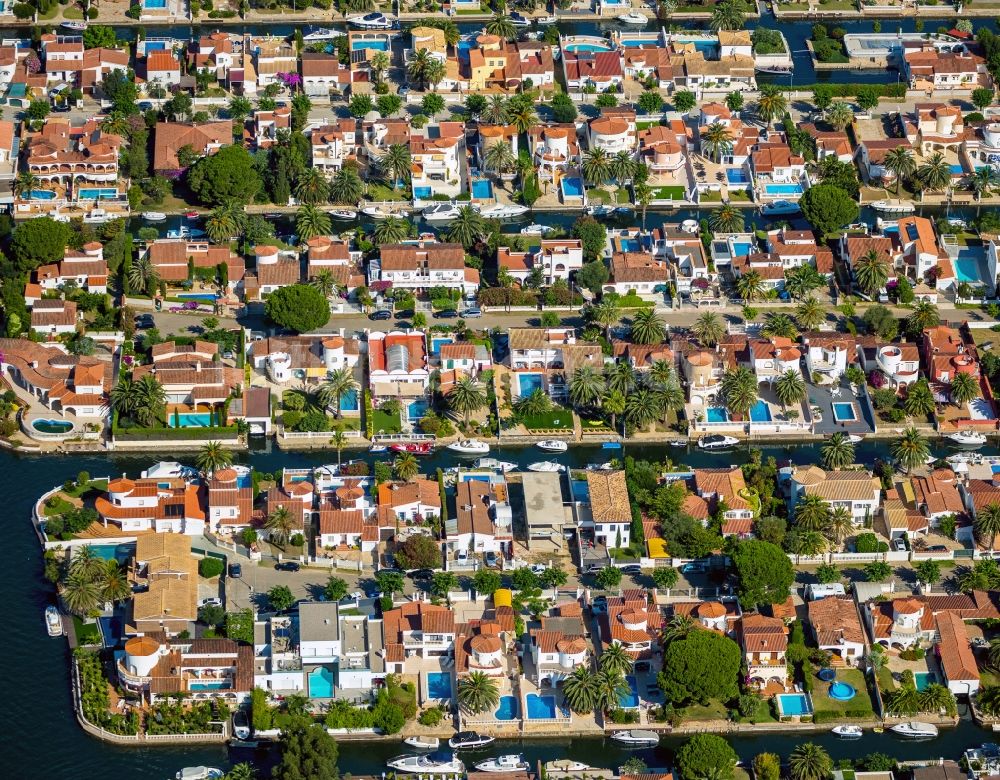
445, 314
421, 574
381, 314
899, 544
472, 312
144, 321
287, 566
593, 568
145, 105
462, 557
352, 597
632, 568
537, 568
694, 567
235, 571
211, 601
492, 560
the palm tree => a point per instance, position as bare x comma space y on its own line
405, 465
391, 230
80, 594
312, 186
242, 771
790, 388
750, 285
346, 186
586, 386
812, 513
311, 222
900, 163
964, 388
837, 452
395, 164
417, 67
220, 225
338, 383
919, 401
871, 271
771, 104
596, 166
86, 563
339, 441
642, 407
923, 316
727, 219
778, 325
478, 693
279, 525
25, 184
622, 168
609, 689
809, 762
613, 404
983, 181
716, 141
606, 313
114, 583
739, 391
497, 111
324, 282
502, 27
840, 525
500, 158
709, 329
677, 628
911, 450
620, 377
937, 698
151, 401
123, 396
467, 227
728, 15
810, 314
615, 659
435, 73
467, 396
523, 117
935, 174
647, 327
143, 276
840, 115
213, 457
533, 404
643, 197
801, 281
378, 64
578, 690
987, 523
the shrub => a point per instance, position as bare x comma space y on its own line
210, 567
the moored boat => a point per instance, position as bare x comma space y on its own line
552, 445
536, 229
636, 738
53, 621
717, 441
154, 216
503, 211
632, 18
376, 212
342, 213
371, 21
518, 20
470, 739
424, 743
847, 731
426, 765
494, 464
780, 207
199, 773
914, 729
469, 447
894, 206
509, 762
414, 448
855, 438
967, 438
546, 466
74, 26
440, 212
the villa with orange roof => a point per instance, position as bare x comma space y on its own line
607, 510
86, 268
483, 520
65, 383
333, 144
613, 131
764, 641
52, 317
435, 161
552, 354
406, 502
163, 505
599, 69
837, 628
632, 622
204, 138
165, 602
719, 616
417, 629
559, 646
664, 147
927, 67
777, 172
554, 149
423, 265
230, 501
858, 491
191, 377
718, 485
945, 355
638, 273
170, 257
161, 68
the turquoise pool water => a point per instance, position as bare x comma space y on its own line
200, 297
742, 248
42, 195
208, 686
540, 707
528, 383
438, 685
93, 193
436, 345
154, 3
956, 169
482, 189
507, 709
379, 45
585, 47
52, 426
737, 176
968, 267
572, 187
793, 704
842, 691
417, 409
321, 683
113, 552
716, 414
630, 700
923, 679
630, 244
423, 193
783, 189
349, 401
191, 420
844, 412
760, 412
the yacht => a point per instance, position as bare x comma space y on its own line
96, 216
74, 26
154, 216
494, 464
636, 738
566, 765
600, 211
53, 621
321, 34
547, 20
377, 212
342, 213
199, 773
469, 447
509, 762
552, 445
424, 743
848, 732
503, 211
414, 448
779, 208
717, 441
440, 212
633, 17
185, 232
469, 740
546, 465
519, 21
536, 230
378, 448
915, 730
426, 765
372, 21
967, 438
777, 70
894, 206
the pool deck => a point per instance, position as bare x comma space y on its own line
821, 396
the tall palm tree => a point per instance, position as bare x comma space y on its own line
615, 659
324, 282
840, 525
312, 186
670, 394
123, 396
114, 583
900, 163
620, 377
394, 164
579, 690
86, 563
435, 73
378, 64
80, 594
337, 384
467, 227
837, 452
586, 386
750, 285
418, 66
346, 186
642, 407
840, 115
716, 141
613, 404
801, 281
622, 168
779, 325
24, 185
709, 329
728, 15
391, 230
739, 391
771, 104
647, 327
606, 313
143, 276
467, 396
983, 181
677, 628
812, 513
919, 401
523, 117
499, 158
338, 441
279, 525
242, 771
212, 457
497, 111
810, 314
935, 174
643, 197
596, 166
220, 225
502, 27
790, 388
477, 693
727, 219
964, 388
151, 401
924, 315
609, 690
910, 450
871, 271
987, 523
311, 222
809, 762
405, 465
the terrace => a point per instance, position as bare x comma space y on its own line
836, 409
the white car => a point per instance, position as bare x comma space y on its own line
537, 568
355, 597
211, 601
462, 557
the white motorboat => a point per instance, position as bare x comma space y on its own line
342, 213
848, 731
636, 738
855, 438
546, 20
495, 465
678, 443
53, 621
546, 466
74, 26
776, 70
632, 17
779, 208
185, 232
600, 211
536, 230
690, 226
566, 765
154, 216
199, 773
321, 34
519, 21
426, 765
894, 206
372, 21
424, 743
440, 212
96, 216
552, 445
967, 438
509, 762
717, 441
377, 212
469, 740
914, 729
503, 211
469, 447
964, 458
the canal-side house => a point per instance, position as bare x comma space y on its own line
422, 265
285, 358
436, 156
333, 144
545, 358
417, 630
64, 383
828, 354
554, 150
764, 641
726, 487
324, 75
398, 367
205, 138
606, 513
945, 355
703, 370
413, 502
163, 505
936, 495
870, 157
958, 662
900, 623
777, 172
484, 518
632, 623
176, 259
167, 574
558, 647
929, 67
836, 627
84, 268
230, 501
858, 491
276, 268
341, 654
191, 375
599, 69
852, 247
977, 494
897, 364
638, 273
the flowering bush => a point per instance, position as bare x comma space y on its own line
700, 284
876, 379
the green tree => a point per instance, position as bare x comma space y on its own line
227, 176
592, 234
810, 313
608, 578
767, 766
647, 327
709, 329
877, 571
650, 102
212, 457
727, 219
335, 589
739, 391
982, 97
579, 690
728, 15
307, 752
790, 388
280, 598
486, 582
467, 227
615, 660
39, 241
900, 163
592, 276
477, 693
684, 100
299, 307
764, 573
706, 756
935, 173
928, 572
987, 524
390, 583
872, 272
964, 388
837, 452
665, 577
919, 401
828, 207
405, 466
809, 761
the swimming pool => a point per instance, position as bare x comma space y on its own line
42, 195
190, 420
923, 679
540, 707
630, 700
507, 709
793, 704
201, 297
211, 686
572, 187
93, 193
113, 552
968, 267
482, 189
742, 248
704, 46
760, 412
957, 169
417, 409
737, 176
716, 414
52, 426
423, 193
438, 685
379, 45
631, 244
349, 401
528, 383
844, 412
154, 3
783, 189
586, 47
321, 683
841, 691
436, 345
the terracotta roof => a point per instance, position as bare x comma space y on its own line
722, 484
834, 620
957, 658
417, 616
397, 494
609, 502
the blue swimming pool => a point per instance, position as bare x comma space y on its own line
200, 297
438, 685
783, 189
42, 195
844, 412
436, 345
113, 552
423, 193
540, 707
209, 686
93, 193
321, 683
417, 409
742, 248
716, 414
737, 176
190, 420
572, 187
923, 679
586, 47
793, 704
507, 709
630, 244
956, 169
842, 691
379, 45
155, 46
969, 267
630, 700
528, 383
482, 189
349, 401
704, 46
154, 3
760, 412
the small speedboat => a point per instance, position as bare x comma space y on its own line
469, 447
185, 232
423, 743
509, 762
376, 212
74, 26
779, 208
600, 211
848, 732
632, 18
967, 438
717, 441
690, 226
342, 213
536, 230
199, 773
519, 21
894, 206
566, 765
414, 448
440, 212
378, 448
426, 765
372, 21
53, 621
503, 211
494, 465
678, 443
321, 34
546, 20
469, 740
191, 215
855, 438
636, 738
776, 70
915, 730
154, 216
552, 445
549, 466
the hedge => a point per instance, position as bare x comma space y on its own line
851, 90
210, 567
369, 413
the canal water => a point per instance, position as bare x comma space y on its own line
42, 739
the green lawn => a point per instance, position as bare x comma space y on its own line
380, 192
86, 633
555, 419
57, 505
382, 422
710, 196
647, 124
860, 703
714, 710
673, 192
92, 485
